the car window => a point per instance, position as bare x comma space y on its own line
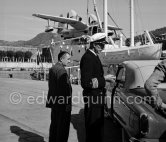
137, 78
146, 71
162, 85
121, 76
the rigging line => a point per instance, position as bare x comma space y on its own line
116, 24
154, 37
87, 10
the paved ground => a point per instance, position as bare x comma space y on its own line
24, 118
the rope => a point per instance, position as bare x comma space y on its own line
116, 24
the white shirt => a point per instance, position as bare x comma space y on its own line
93, 52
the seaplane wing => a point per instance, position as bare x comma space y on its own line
110, 27
78, 25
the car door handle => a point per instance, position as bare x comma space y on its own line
125, 105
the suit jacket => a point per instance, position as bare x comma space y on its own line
59, 88
91, 67
158, 76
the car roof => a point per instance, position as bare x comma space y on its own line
141, 63
137, 72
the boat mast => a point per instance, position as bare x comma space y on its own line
132, 23
97, 14
105, 11
105, 18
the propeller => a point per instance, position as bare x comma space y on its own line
49, 29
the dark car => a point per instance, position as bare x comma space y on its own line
131, 106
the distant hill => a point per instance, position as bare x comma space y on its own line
160, 31
40, 39
155, 33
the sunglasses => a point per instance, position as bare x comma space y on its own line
103, 42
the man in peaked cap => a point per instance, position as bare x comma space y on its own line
98, 41
93, 84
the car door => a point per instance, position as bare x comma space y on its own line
121, 108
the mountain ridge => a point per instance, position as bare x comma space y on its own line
43, 39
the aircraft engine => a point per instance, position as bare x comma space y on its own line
74, 14
61, 26
49, 29
92, 19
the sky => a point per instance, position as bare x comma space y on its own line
17, 22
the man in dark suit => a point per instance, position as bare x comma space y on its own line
93, 84
59, 99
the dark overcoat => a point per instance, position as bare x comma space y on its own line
59, 88
91, 67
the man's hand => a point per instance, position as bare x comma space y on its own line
163, 105
110, 78
95, 83
162, 108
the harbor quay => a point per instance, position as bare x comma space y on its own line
24, 117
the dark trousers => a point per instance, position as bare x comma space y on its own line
60, 124
94, 123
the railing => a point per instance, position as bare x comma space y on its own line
24, 65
